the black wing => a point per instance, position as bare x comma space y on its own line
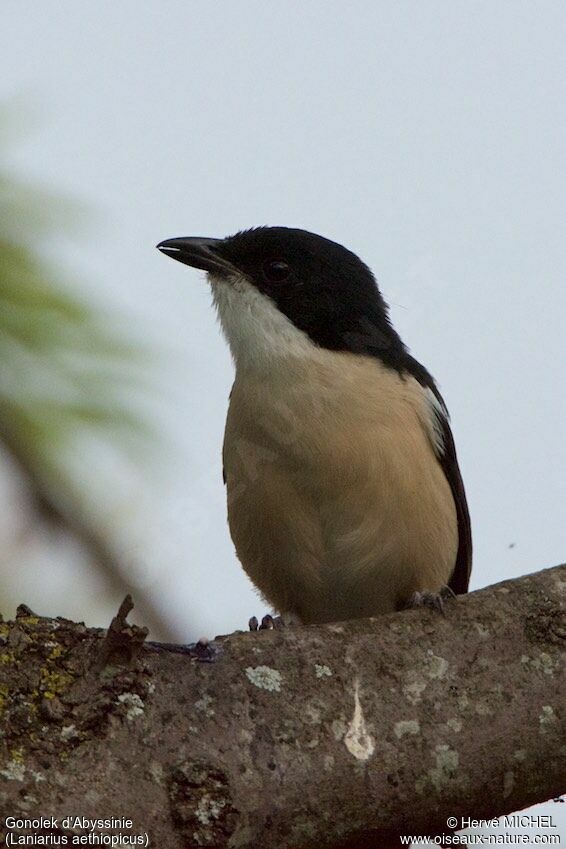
446, 454
447, 457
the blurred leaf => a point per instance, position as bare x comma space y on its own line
66, 370
61, 366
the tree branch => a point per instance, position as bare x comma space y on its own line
338, 735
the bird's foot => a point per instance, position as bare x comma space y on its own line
435, 601
268, 623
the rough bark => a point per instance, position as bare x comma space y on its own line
310, 737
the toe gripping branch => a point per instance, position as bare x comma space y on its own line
434, 601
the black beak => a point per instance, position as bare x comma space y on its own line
197, 252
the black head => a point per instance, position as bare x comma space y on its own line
323, 288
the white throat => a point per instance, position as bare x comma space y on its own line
258, 334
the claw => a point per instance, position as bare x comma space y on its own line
435, 601
268, 623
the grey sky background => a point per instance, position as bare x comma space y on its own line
427, 137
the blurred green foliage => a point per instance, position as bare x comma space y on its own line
68, 372
61, 360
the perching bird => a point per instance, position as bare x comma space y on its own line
344, 494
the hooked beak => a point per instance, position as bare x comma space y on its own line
198, 252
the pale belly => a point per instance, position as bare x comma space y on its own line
337, 512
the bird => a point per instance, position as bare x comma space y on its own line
344, 494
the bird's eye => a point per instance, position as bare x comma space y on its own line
276, 270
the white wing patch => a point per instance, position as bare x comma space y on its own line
438, 414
